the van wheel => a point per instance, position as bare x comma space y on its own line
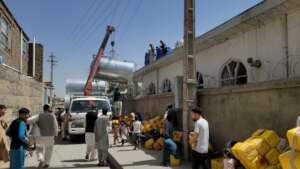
72, 138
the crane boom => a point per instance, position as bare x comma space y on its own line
88, 85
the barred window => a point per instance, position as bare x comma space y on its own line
25, 47
234, 73
151, 89
200, 83
166, 86
4, 33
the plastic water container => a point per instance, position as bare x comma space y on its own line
1, 60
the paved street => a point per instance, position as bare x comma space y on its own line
65, 156
139, 159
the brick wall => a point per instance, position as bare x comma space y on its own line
18, 91
39, 54
12, 53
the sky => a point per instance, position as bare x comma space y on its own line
73, 29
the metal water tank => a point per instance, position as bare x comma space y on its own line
115, 70
76, 87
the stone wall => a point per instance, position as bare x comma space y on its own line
154, 105
235, 112
18, 91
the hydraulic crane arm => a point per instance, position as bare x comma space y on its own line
88, 85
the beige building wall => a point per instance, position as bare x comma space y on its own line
262, 39
170, 72
148, 79
263, 42
236, 112
294, 41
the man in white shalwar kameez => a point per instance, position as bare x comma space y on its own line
101, 137
45, 128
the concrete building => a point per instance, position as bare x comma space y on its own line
260, 44
248, 73
19, 86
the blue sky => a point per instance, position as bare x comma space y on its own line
73, 29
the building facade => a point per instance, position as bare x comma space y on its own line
13, 41
19, 86
261, 44
248, 74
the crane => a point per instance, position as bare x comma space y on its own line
88, 85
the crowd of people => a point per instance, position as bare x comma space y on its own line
37, 133
155, 53
44, 128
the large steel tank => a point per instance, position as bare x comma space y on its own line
115, 70
75, 87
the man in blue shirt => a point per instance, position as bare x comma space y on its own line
170, 147
19, 139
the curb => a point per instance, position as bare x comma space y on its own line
113, 163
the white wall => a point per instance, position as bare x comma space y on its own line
148, 79
264, 43
170, 72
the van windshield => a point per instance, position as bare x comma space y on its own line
82, 105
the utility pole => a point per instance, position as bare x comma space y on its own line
52, 60
189, 71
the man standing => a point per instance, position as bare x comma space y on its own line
298, 121
171, 112
90, 119
19, 139
3, 139
117, 102
101, 137
66, 117
200, 153
170, 147
48, 127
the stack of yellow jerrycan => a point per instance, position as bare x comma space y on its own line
291, 159
174, 162
216, 163
259, 151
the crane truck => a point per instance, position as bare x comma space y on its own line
78, 104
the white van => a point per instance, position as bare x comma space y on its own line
79, 107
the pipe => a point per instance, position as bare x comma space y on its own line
21, 53
33, 58
286, 43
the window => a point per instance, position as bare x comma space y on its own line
151, 89
233, 73
82, 105
25, 47
200, 83
166, 86
4, 34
